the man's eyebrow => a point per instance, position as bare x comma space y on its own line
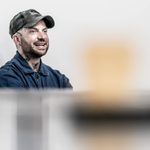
37, 28
32, 28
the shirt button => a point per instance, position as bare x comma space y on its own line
37, 76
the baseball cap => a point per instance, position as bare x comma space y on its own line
28, 18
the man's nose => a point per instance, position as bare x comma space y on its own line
41, 35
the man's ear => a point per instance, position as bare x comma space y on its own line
16, 39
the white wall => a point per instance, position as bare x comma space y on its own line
76, 20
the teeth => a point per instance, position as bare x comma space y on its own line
40, 44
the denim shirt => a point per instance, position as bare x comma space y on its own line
16, 73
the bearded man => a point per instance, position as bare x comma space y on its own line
28, 29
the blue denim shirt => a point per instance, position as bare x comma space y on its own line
16, 73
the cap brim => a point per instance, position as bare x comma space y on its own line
49, 21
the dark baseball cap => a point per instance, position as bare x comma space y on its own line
28, 18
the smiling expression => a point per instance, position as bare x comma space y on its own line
34, 41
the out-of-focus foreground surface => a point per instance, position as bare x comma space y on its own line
66, 120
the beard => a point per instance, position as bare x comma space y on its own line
31, 51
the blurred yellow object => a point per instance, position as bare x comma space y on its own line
108, 65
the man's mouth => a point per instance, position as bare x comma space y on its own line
41, 45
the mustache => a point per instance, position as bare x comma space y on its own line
41, 41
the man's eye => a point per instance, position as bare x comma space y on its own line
32, 31
45, 31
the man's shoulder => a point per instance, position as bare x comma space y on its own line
51, 70
10, 70
55, 72
60, 77
8, 76
7, 67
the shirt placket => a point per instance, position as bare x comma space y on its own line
37, 79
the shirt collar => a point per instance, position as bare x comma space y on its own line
22, 63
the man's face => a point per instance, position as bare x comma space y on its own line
35, 41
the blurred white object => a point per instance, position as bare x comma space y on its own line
65, 120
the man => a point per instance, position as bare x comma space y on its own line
28, 29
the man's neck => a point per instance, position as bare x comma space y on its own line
34, 63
